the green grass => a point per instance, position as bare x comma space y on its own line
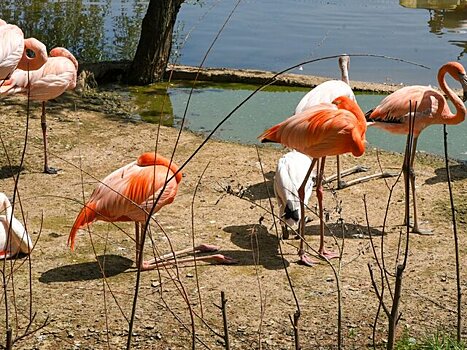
437, 341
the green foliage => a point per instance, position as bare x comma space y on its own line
437, 341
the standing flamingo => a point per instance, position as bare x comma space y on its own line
393, 112
290, 172
327, 92
56, 76
320, 131
128, 194
13, 237
13, 51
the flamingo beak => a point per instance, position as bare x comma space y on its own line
463, 80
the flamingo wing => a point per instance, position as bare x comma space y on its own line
320, 131
396, 107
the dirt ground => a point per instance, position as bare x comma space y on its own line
75, 308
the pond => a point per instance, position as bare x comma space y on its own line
210, 103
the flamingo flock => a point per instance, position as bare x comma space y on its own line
327, 122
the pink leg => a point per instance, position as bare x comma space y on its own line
170, 258
319, 195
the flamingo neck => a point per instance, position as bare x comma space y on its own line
40, 55
458, 104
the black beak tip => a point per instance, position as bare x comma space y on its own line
464, 97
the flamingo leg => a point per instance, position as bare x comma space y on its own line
47, 169
137, 240
319, 195
415, 228
171, 258
304, 259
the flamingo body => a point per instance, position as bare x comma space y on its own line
13, 236
290, 173
322, 130
56, 76
128, 193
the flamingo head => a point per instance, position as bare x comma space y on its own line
457, 71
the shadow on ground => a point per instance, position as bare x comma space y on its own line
113, 265
261, 246
458, 172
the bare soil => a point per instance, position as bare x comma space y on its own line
91, 135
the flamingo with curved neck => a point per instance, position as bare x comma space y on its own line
393, 112
13, 51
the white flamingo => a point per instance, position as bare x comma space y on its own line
13, 236
290, 173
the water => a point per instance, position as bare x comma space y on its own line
211, 103
275, 34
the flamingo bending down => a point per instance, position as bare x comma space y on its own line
327, 92
320, 131
393, 112
128, 194
13, 51
13, 237
290, 172
56, 76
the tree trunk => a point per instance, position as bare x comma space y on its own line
155, 43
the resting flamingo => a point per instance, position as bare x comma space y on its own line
13, 237
320, 131
128, 194
327, 92
392, 114
13, 51
56, 76
290, 172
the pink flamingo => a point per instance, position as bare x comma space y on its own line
13, 51
128, 194
392, 114
51, 80
320, 131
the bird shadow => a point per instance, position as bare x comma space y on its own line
353, 231
260, 245
8, 171
458, 172
261, 190
112, 265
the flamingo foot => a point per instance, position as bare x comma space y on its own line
206, 248
306, 260
328, 255
50, 170
423, 232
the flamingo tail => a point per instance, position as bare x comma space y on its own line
270, 135
86, 216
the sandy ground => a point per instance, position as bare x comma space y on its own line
90, 136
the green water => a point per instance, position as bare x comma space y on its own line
211, 103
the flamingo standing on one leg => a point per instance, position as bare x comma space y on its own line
392, 114
290, 172
320, 131
129, 193
13, 51
56, 76
13, 237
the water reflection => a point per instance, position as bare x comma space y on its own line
92, 30
446, 16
